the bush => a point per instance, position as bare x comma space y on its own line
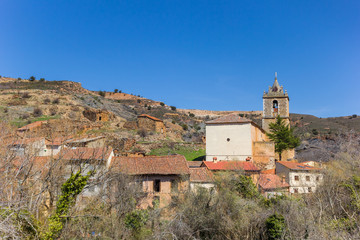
139, 101
47, 101
184, 127
32, 78
19, 79
53, 111
37, 112
25, 116
191, 115
162, 104
116, 90
149, 108
6, 110
42, 79
173, 108
354, 116
315, 132
102, 93
142, 132
56, 101
25, 95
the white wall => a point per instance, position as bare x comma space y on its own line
302, 185
238, 148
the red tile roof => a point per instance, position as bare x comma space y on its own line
194, 164
26, 141
231, 165
201, 175
232, 118
297, 166
151, 117
271, 181
268, 171
84, 153
31, 126
152, 165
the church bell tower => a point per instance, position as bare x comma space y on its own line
275, 103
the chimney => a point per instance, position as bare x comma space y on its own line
215, 159
283, 179
248, 159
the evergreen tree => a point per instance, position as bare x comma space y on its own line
283, 136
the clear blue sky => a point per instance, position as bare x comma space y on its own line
216, 55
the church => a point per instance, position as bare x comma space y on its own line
234, 138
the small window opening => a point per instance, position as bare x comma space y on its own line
296, 178
317, 178
309, 189
100, 118
296, 190
157, 185
275, 106
228, 139
308, 178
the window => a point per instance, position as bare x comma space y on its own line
317, 178
157, 185
100, 118
275, 105
174, 186
296, 178
308, 178
296, 190
228, 139
309, 189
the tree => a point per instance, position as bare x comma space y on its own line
32, 78
116, 90
283, 136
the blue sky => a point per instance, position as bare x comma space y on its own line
215, 55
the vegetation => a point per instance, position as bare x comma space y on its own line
32, 78
102, 93
282, 136
173, 108
190, 152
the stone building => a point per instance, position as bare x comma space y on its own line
276, 103
271, 185
151, 123
301, 178
162, 178
98, 115
235, 138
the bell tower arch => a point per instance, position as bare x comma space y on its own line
275, 103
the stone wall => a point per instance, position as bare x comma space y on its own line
264, 154
98, 115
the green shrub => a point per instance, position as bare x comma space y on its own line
42, 79
162, 104
102, 93
173, 108
37, 112
116, 90
32, 78
275, 226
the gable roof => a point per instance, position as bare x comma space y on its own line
201, 175
232, 118
84, 153
151, 117
31, 126
268, 171
194, 164
152, 165
297, 166
231, 166
271, 181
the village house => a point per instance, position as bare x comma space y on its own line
301, 177
31, 127
201, 177
90, 142
271, 185
234, 138
150, 123
247, 167
96, 115
28, 147
161, 177
87, 159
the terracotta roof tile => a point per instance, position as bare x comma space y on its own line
31, 126
297, 166
151, 117
194, 164
201, 175
271, 181
231, 165
268, 171
151, 165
